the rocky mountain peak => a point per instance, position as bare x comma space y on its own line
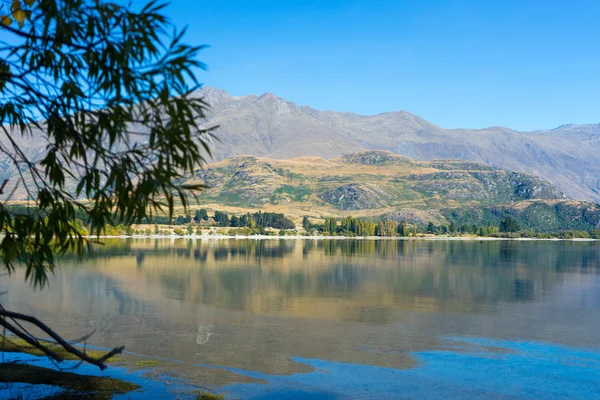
267, 96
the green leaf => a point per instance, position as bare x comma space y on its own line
104, 70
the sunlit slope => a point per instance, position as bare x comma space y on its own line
381, 183
376, 180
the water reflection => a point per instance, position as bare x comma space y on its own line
255, 304
276, 276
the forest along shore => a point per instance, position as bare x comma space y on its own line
288, 237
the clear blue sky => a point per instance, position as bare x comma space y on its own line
525, 64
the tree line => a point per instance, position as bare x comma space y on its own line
258, 222
507, 228
223, 219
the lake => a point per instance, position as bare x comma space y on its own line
340, 319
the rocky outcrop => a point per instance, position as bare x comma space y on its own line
374, 158
353, 197
490, 186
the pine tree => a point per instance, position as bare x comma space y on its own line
306, 223
330, 225
403, 228
430, 227
509, 224
452, 227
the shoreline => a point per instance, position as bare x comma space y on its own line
267, 237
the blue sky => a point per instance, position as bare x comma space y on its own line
525, 64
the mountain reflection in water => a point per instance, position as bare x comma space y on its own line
257, 305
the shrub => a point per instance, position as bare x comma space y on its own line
574, 235
80, 227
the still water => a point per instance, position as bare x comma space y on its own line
337, 319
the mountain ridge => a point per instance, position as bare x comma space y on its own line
212, 89
270, 126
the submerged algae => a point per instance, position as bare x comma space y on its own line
74, 385
16, 345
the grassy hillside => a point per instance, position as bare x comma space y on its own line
365, 181
380, 183
542, 216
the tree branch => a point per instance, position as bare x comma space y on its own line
99, 362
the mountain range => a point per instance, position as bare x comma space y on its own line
270, 126
275, 129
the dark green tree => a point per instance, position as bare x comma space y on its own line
183, 219
273, 220
509, 224
234, 221
403, 228
111, 94
306, 223
201, 215
349, 224
452, 227
221, 218
430, 227
330, 225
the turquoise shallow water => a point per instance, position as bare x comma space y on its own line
512, 370
337, 319
476, 368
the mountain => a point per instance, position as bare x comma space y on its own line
269, 126
381, 183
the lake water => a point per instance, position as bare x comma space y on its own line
341, 319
